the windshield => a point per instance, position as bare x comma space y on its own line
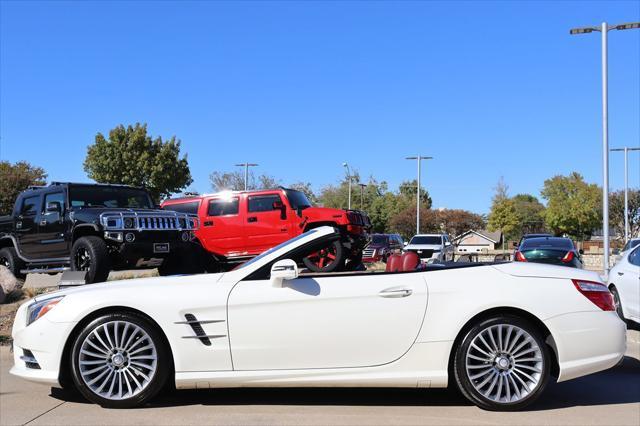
106, 196
547, 243
379, 239
272, 249
631, 244
422, 239
297, 199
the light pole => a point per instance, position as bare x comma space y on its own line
604, 29
362, 187
626, 150
346, 166
246, 172
418, 186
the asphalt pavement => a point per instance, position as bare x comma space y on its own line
608, 398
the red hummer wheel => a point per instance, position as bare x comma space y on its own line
328, 259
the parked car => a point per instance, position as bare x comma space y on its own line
551, 250
239, 225
527, 236
90, 227
432, 247
624, 284
381, 246
490, 330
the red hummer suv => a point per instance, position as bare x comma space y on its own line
238, 225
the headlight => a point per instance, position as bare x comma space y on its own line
38, 309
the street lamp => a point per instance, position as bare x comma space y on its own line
346, 166
246, 172
626, 150
419, 158
362, 187
604, 29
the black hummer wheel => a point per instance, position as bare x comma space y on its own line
10, 259
90, 254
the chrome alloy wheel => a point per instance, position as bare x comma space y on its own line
117, 360
504, 363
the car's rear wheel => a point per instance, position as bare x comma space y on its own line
502, 364
119, 361
616, 300
328, 259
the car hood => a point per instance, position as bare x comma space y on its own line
423, 247
543, 270
125, 286
324, 213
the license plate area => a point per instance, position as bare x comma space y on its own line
161, 247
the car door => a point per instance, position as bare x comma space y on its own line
222, 228
51, 228
26, 226
326, 321
629, 281
266, 226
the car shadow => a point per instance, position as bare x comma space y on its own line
619, 385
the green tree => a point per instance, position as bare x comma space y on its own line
504, 217
573, 206
15, 178
234, 181
409, 188
616, 212
531, 213
131, 156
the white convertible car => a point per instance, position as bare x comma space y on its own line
498, 332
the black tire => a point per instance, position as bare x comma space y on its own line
98, 264
473, 387
147, 389
10, 259
616, 300
315, 263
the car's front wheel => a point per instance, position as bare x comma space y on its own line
502, 364
119, 361
90, 254
616, 300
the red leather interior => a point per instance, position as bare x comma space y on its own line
410, 261
406, 262
394, 263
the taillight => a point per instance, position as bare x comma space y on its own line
568, 257
597, 292
520, 257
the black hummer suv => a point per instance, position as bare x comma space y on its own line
94, 228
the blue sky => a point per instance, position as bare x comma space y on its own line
489, 89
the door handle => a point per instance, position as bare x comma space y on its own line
208, 223
620, 273
252, 219
43, 222
395, 292
19, 225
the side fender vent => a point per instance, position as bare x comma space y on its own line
197, 329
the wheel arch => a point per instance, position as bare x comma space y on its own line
313, 225
6, 242
65, 370
84, 230
507, 310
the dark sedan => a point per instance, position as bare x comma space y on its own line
550, 250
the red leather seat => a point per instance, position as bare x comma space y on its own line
394, 263
410, 261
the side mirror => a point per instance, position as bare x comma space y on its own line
514, 244
282, 270
53, 207
405, 243
447, 243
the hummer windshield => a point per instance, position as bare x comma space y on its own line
81, 196
297, 199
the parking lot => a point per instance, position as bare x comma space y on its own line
610, 397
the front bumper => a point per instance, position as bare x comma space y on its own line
587, 342
45, 340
